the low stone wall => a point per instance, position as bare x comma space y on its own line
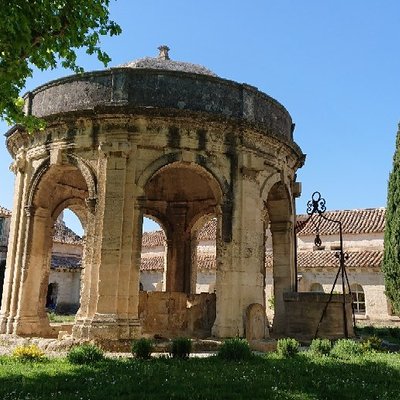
172, 314
304, 311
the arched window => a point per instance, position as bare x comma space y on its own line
357, 293
317, 288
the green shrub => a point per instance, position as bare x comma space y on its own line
181, 347
372, 343
345, 349
321, 347
235, 349
85, 354
287, 347
142, 348
28, 353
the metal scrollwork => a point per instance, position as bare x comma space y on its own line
316, 204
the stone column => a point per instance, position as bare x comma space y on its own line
283, 270
240, 277
116, 211
31, 318
89, 277
179, 251
16, 246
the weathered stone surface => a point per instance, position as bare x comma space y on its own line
175, 146
304, 312
256, 326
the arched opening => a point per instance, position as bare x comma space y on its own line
179, 195
204, 255
358, 297
66, 264
182, 198
279, 221
55, 251
153, 256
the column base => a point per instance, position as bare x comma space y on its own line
107, 327
32, 326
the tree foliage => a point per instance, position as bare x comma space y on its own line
44, 34
391, 258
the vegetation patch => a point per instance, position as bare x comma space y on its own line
304, 377
28, 353
181, 347
85, 354
235, 349
142, 348
287, 347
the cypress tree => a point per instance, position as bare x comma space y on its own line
391, 257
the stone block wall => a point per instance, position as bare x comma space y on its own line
169, 314
304, 310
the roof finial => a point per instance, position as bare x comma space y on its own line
163, 52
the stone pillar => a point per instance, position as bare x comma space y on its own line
240, 271
283, 270
89, 277
16, 246
114, 315
179, 250
31, 316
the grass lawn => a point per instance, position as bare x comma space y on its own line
371, 376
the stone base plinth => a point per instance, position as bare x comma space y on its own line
107, 328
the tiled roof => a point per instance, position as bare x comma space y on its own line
63, 234
65, 262
4, 212
322, 258
153, 239
156, 263
368, 220
208, 232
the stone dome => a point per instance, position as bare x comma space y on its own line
163, 62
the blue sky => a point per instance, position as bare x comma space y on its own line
334, 64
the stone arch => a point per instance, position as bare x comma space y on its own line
180, 193
74, 160
78, 206
171, 158
54, 187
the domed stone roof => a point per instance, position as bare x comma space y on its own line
163, 62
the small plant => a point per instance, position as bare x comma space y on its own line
321, 347
142, 348
181, 347
85, 354
287, 347
345, 349
28, 353
372, 343
235, 349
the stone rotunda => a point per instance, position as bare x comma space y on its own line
176, 143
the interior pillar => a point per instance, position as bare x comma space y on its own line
283, 270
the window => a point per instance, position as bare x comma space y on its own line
2, 220
317, 288
357, 293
